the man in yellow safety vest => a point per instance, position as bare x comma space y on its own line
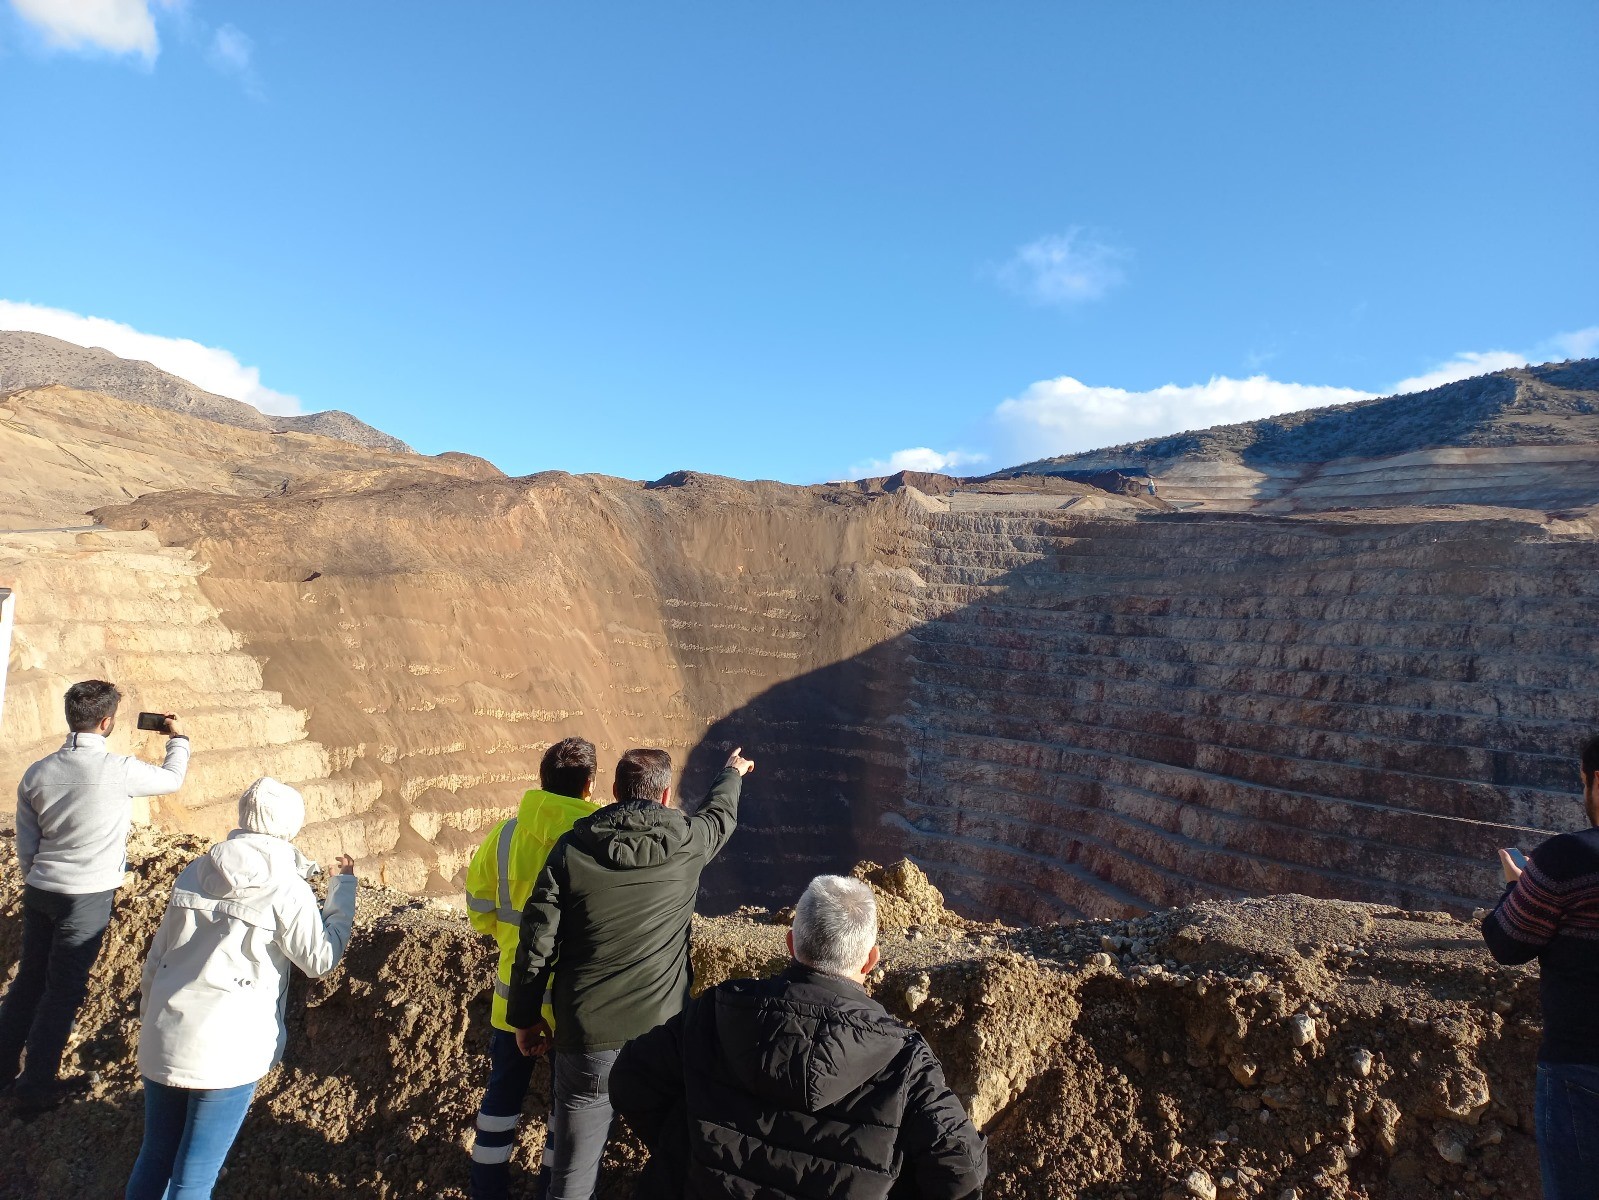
498, 882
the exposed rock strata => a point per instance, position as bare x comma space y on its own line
1352, 1052
441, 634
1106, 716
1063, 699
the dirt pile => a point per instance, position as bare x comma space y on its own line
1279, 1047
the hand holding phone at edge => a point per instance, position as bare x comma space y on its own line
1508, 866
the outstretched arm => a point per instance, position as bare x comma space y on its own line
315, 940
718, 816
145, 779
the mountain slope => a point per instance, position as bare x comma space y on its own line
30, 360
1528, 436
1552, 405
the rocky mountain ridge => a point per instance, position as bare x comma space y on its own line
1527, 437
34, 360
1549, 405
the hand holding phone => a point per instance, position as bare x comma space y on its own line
154, 722
1512, 863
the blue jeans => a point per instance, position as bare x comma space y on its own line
187, 1135
61, 937
580, 1123
510, 1074
1568, 1130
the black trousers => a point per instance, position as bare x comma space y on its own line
61, 937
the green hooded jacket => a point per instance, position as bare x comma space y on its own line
614, 903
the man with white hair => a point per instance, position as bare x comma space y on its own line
801, 1085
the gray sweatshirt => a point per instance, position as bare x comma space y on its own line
73, 813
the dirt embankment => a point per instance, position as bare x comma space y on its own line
1282, 1047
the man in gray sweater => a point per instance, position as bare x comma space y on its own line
73, 816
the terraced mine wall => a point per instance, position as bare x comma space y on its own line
1061, 706
1101, 716
1108, 716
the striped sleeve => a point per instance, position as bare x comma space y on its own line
1557, 896
1530, 911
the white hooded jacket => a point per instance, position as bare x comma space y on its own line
216, 980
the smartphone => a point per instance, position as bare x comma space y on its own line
153, 722
1517, 857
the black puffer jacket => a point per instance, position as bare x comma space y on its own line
795, 1088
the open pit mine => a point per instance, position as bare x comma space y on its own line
1343, 655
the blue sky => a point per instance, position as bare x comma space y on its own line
790, 241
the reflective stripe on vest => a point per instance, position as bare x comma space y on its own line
502, 860
503, 991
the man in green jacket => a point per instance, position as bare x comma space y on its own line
613, 903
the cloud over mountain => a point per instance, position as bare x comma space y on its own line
209, 367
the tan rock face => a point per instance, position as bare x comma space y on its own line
1059, 701
440, 635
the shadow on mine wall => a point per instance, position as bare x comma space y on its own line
829, 747
835, 751
1198, 800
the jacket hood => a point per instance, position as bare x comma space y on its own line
272, 808
243, 867
804, 1041
632, 834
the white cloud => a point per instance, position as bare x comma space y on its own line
1063, 268
232, 52
1065, 415
208, 367
1579, 343
917, 458
1461, 366
115, 26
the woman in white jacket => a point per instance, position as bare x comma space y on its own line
216, 984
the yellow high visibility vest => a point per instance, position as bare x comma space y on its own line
502, 874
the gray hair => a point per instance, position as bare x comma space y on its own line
835, 925
643, 775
